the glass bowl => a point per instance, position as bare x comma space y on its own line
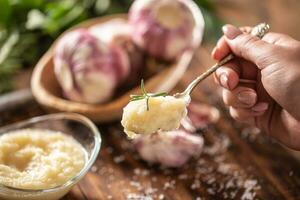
75, 125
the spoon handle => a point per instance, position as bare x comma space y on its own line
259, 31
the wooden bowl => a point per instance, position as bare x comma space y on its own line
47, 91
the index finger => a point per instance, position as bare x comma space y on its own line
222, 49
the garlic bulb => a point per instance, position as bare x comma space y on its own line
86, 68
175, 148
118, 32
170, 149
164, 28
201, 114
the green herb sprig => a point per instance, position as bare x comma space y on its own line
146, 95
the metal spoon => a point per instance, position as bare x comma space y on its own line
259, 31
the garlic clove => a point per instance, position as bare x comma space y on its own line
170, 149
95, 86
201, 114
64, 70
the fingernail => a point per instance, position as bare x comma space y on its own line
213, 52
260, 107
224, 80
230, 31
247, 97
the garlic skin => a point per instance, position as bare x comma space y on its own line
117, 32
163, 28
201, 114
87, 69
170, 149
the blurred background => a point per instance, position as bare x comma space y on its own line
28, 27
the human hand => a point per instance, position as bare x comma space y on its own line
261, 85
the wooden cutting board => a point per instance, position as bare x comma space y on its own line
237, 161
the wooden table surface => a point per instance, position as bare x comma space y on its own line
238, 162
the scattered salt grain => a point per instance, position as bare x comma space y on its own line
230, 184
161, 197
94, 169
224, 168
219, 159
137, 185
249, 193
211, 191
102, 171
233, 194
119, 159
182, 176
110, 150
133, 196
211, 180
140, 172
137, 171
169, 185
250, 183
196, 184
220, 146
145, 172
250, 133
221, 187
150, 191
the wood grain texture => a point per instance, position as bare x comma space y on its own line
119, 173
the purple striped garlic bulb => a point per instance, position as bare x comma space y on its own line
163, 28
87, 69
201, 115
170, 149
118, 32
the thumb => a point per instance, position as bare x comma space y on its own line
246, 45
